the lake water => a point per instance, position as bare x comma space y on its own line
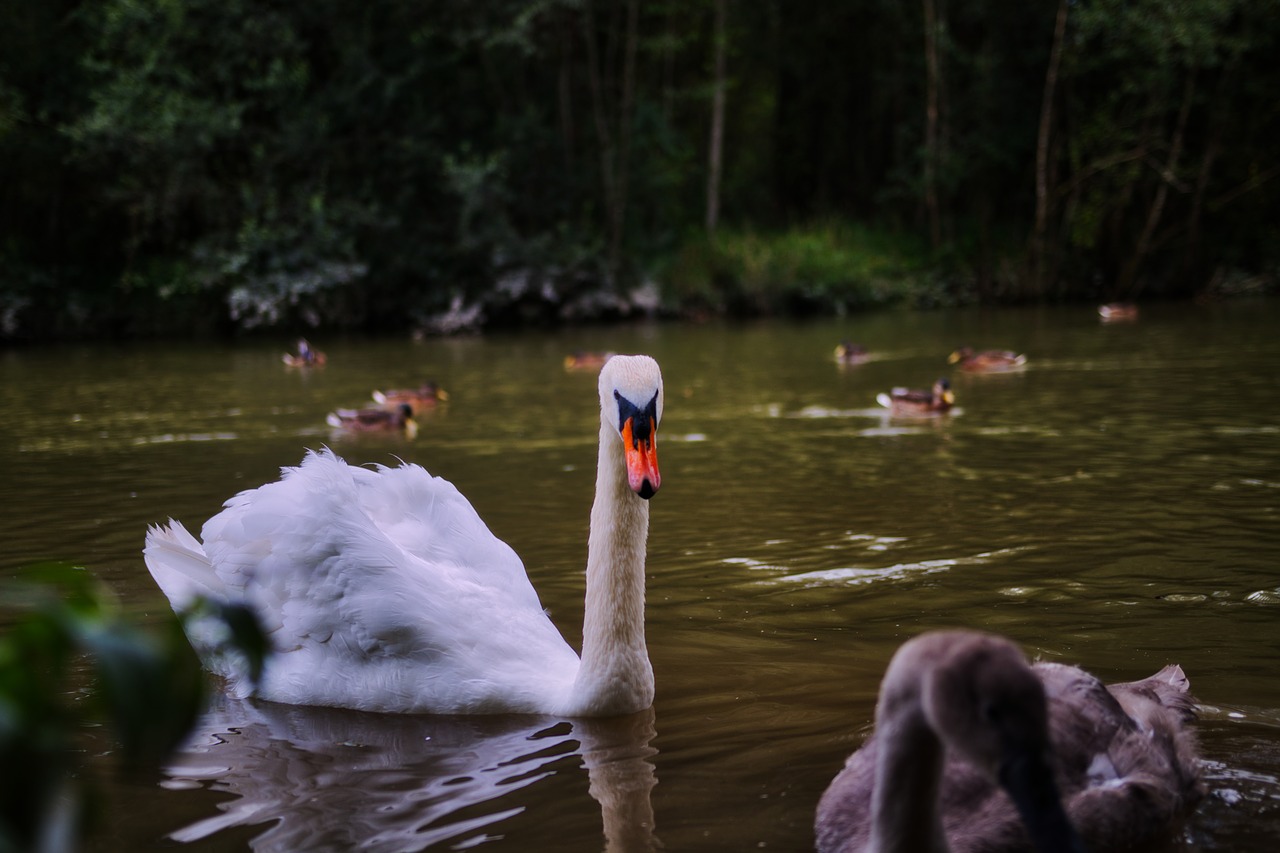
1114, 505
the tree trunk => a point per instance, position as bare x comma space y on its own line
716, 144
595, 82
617, 216
1038, 247
931, 122
1191, 249
564, 97
1129, 274
614, 151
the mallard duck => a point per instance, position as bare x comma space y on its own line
586, 360
907, 402
306, 357
851, 353
1118, 312
425, 396
963, 720
396, 419
381, 589
987, 361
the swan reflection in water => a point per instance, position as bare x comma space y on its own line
337, 779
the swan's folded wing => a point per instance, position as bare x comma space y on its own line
301, 545
429, 518
1084, 721
389, 571
1126, 778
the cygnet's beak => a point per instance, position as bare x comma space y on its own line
640, 442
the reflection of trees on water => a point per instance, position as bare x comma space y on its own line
336, 779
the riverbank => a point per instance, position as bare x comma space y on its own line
832, 268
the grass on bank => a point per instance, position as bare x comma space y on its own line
830, 267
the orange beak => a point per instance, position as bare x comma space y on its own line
642, 461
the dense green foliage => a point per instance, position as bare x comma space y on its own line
176, 165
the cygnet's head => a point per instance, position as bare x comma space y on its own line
987, 704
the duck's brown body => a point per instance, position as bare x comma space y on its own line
851, 353
1118, 312
909, 402
987, 361
425, 396
306, 357
398, 419
585, 360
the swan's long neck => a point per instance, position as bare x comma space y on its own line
904, 802
615, 676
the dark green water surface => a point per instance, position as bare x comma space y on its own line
1114, 505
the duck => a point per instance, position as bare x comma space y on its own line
987, 361
851, 353
398, 418
976, 749
1118, 312
425, 396
306, 357
908, 402
586, 360
381, 589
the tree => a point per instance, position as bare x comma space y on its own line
1153, 90
932, 154
1037, 249
234, 164
715, 145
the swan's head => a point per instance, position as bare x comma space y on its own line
631, 402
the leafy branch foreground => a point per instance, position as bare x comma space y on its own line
147, 685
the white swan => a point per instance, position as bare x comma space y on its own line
961, 716
383, 590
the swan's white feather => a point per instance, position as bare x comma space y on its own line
383, 590
187, 575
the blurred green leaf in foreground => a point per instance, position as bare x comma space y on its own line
69, 659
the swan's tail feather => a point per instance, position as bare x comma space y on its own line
180, 566
182, 569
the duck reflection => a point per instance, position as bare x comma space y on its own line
337, 779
